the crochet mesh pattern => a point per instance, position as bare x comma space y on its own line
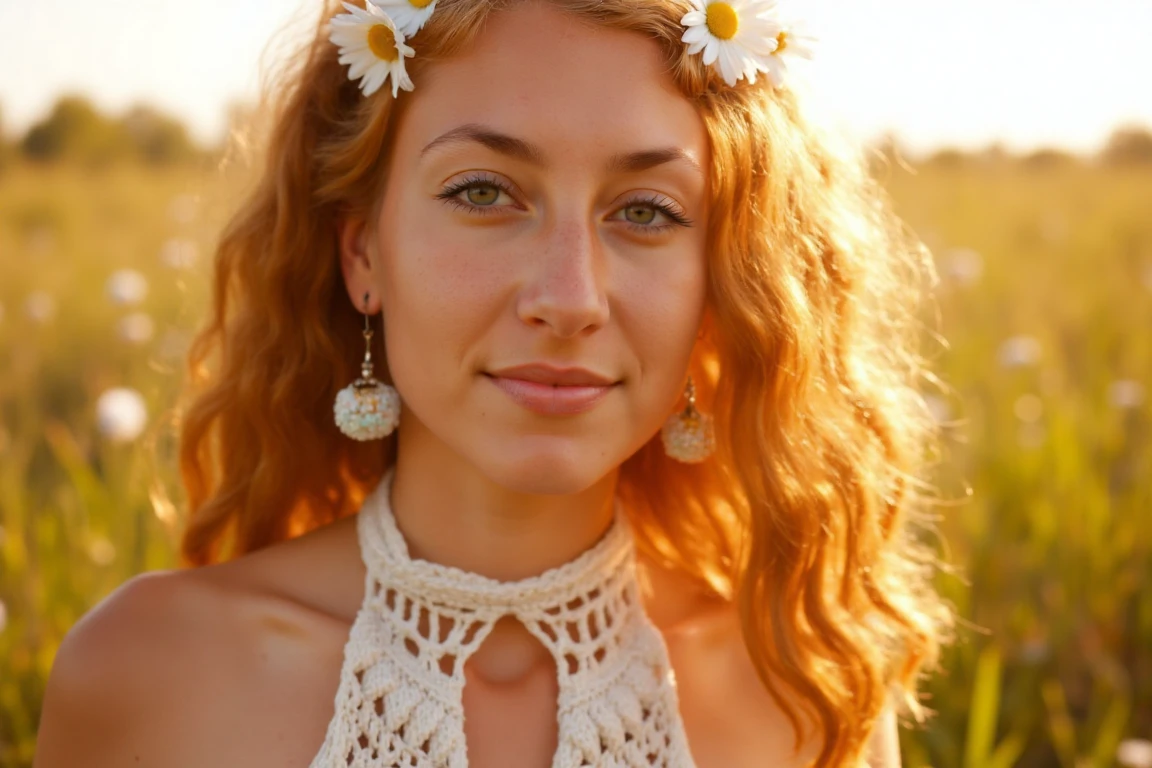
399, 701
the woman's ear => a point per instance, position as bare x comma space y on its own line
359, 263
706, 323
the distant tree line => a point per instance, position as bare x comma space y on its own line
1128, 145
76, 131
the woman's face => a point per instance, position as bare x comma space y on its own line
545, 204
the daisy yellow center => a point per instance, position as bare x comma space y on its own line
419, 3
722, 20
382, 42
781, 42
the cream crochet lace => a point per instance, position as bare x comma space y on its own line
399, 699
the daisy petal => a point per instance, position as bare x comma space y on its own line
694, 34
367, 88
347, 41
376, 77
407, 17
359, 67
802, 47
728, 67
711, 50
775, 70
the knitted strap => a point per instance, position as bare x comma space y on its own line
399, 701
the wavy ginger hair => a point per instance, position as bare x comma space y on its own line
802, 518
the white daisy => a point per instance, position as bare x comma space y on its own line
792, 40
736, 36
408, 15
373, 47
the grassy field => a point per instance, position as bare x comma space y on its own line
1045, 305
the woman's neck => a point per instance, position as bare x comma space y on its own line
452, 514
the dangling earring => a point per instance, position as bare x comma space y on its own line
367, 409
688, 435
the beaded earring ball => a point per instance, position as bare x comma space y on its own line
367, 409
689, 436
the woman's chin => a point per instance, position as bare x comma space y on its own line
538, 470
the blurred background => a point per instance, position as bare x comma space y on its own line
1015, 139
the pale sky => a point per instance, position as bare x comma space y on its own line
936, 72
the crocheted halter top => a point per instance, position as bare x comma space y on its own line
399, 699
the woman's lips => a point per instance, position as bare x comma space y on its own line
549, 399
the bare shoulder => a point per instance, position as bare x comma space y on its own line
117, 664
731, 718
171, 657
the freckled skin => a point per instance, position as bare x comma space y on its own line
548, 273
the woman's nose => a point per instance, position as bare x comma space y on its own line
567, 289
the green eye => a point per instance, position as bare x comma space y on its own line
640, 214
484, 194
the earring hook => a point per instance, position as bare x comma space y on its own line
366, 366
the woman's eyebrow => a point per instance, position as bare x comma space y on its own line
632, 162
521, 149
518, 149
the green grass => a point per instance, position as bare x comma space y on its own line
1054, 663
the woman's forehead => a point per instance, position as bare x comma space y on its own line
555, 80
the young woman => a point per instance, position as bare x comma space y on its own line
639, 489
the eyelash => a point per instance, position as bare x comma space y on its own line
450, 196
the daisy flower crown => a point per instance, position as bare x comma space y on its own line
740, 39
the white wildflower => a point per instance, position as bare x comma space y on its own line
121, 414
126, 286
737, 37
1019, 351
1135, 753
1126, 393
373, 47
963, 266
135, 328
101, 551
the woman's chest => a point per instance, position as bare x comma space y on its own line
275, 708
